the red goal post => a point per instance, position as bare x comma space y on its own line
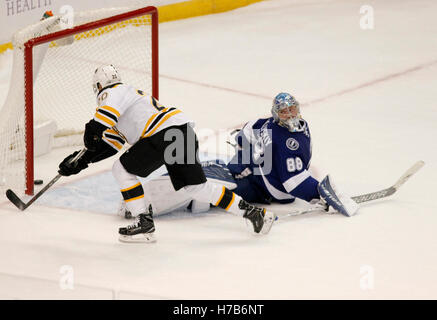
110, 23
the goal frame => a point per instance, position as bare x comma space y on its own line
28, 74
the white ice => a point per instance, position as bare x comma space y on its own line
370, 99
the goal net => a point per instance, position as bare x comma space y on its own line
51, 83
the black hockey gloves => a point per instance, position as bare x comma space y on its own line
103, 151
97, 150
67, 169
93, 134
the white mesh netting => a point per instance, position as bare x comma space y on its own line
62, 81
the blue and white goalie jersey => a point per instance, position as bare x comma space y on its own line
272, 163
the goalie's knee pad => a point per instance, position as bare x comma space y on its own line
212, 193
204, 192
199, 207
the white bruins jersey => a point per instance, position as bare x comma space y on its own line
130, 115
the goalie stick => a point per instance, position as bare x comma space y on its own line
364, 197
23, 206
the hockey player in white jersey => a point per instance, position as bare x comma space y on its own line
158, 136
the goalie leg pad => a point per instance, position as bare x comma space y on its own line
217, 195
216, 170
199, 207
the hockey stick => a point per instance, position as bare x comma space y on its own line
364, 197
391, 190
23, 206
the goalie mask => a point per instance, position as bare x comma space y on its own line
105, 76
286, 112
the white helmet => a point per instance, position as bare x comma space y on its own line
105, 76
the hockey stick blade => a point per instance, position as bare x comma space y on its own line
15, 200
416, 167
364, 197
21, 205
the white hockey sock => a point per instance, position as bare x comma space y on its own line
131, 189
217, 195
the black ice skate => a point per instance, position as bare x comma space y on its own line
261, 219
141, 231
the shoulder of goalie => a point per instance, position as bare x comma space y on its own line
336, 198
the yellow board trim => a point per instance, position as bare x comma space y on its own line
162, 121
195, 8
136, 198
170, 12
6, 46
130, 188
221, 197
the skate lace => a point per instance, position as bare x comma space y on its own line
135, 224
252, 210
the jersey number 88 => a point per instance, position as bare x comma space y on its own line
294, 164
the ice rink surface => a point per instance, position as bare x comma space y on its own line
370, 99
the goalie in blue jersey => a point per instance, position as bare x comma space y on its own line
271, 165
273, 156
273, 159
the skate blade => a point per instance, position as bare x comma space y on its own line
138, 238
269, 218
